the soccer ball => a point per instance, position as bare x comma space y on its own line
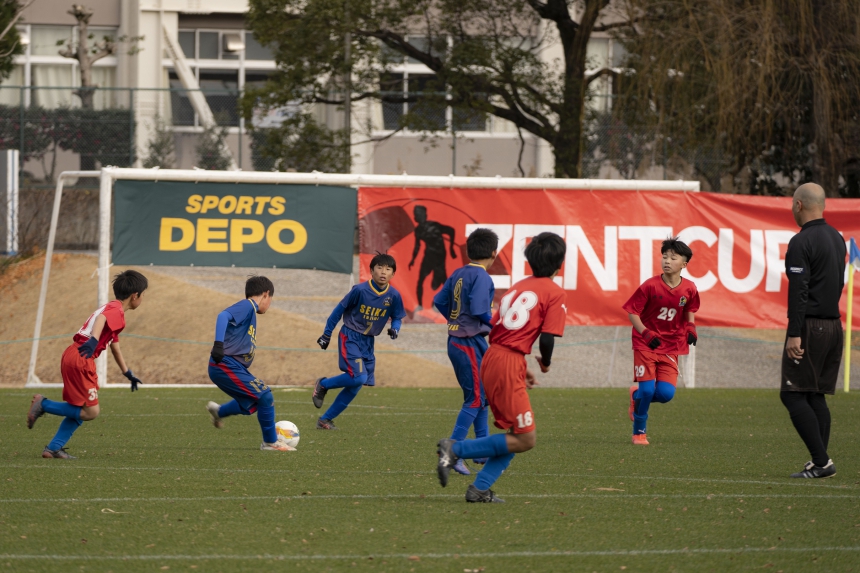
287, 433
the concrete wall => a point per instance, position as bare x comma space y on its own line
484, 156
54, 12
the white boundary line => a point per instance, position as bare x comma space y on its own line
607, 495
412, 556
425, 471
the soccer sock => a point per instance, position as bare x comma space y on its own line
340, 381
482, 427
807, 425
819, 405
231, 408
644, 395
489, 447
64, 433
61, 409
492, 471
341, 402
266, 417
464, 421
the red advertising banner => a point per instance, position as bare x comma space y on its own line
613, 245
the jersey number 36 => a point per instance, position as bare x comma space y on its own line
515, 308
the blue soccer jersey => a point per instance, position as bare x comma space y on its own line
466, 300
366, 309
240, 338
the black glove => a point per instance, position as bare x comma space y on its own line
692, 336
650, 339
88, 348
133, 379
217, 352
323, 341
393, 333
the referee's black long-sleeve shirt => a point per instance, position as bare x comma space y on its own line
815, 265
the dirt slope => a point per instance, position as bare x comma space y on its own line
172, 309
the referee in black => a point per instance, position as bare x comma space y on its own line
815, 265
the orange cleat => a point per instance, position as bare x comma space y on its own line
640, 440
632, 401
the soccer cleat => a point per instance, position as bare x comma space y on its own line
276, 447
323, 424
640, 440
447, 459
319, 393
813, 471
35, 411
481, 461
474, 495
212, 408
60, 454
633, 401
460, 468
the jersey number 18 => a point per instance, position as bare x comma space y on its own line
515, 308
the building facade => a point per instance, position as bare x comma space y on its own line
190, 44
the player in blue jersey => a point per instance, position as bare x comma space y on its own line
466, 300
232, 355
366, 310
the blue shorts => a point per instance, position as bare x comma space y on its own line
355, 354
466, 355
233, 379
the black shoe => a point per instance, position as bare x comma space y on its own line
60, 454
474, 495
319, 393
813, 471
35, 412
323, 424
447, 459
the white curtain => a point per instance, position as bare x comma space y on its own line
10, 95
105, 77
43, 39
46, 79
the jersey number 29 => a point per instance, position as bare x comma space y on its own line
515, 308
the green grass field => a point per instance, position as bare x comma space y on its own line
156, 487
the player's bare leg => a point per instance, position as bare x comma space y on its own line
89, 413
519, 443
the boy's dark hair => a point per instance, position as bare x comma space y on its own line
481, 244
127, 283
256, 285
678, 247
383, 259
545, 254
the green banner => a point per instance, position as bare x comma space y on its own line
234, 224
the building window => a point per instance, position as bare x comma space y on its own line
221, 83
49, 77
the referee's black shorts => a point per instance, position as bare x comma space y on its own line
821, 339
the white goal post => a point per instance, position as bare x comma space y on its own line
108, 175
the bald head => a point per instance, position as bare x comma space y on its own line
811, 195
808, 203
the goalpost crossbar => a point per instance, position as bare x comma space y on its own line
108, 175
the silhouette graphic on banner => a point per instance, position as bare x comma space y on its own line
432, 234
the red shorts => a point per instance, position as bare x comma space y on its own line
503, 373
80, 382
653, 366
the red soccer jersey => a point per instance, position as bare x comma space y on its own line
530, 307
114, 323
662, 310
